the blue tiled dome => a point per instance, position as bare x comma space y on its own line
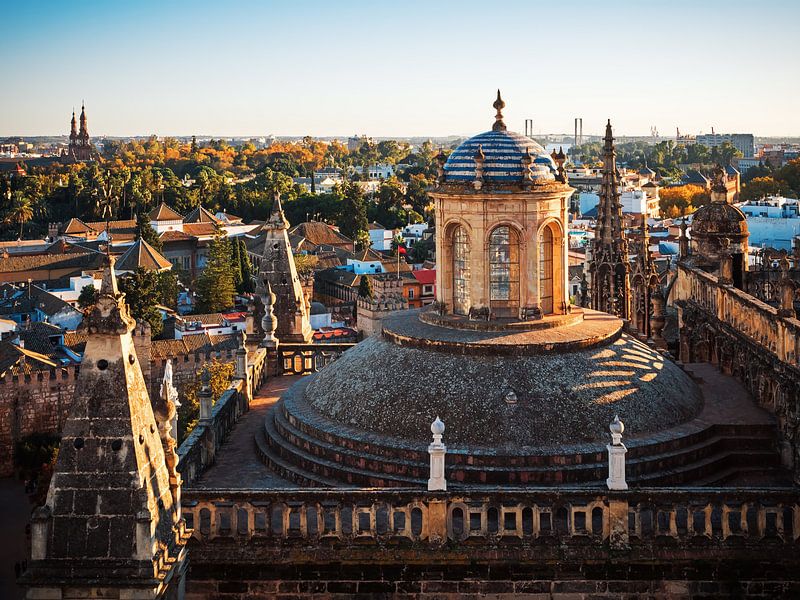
504, 151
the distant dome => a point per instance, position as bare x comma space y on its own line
504, 151
719, 219
318, 308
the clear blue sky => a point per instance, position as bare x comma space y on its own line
399, 68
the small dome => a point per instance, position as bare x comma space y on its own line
719, 219
318, 308
503, 163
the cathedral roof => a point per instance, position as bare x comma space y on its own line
719, 218
397, 387
504, 156
504, 152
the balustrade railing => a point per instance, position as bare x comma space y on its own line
302, 359
582, 516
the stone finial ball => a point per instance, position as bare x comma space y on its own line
617, 426
437, 427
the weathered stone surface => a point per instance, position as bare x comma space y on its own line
563, 398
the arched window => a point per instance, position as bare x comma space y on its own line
504, 271
461, 301
546, 270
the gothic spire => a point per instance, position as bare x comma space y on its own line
276, 216
499, 105
609, 210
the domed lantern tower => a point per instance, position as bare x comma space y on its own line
501, 228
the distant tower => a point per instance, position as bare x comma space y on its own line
111, 525
80, 147
278, 270
608, 266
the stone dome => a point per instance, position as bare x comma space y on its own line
397, 384
719, 219
504, 152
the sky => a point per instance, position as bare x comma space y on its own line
413, 68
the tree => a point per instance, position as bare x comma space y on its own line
215, 286
145, 231
353, 215
245, 268
168, 288
681, 200
305, 263
220, 378
20, 212
365, 287
87, 297
141, 290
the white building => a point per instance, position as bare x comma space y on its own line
380, 238
772, 222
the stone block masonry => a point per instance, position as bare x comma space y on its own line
39, 403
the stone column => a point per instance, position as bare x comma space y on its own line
437, 450
204, 397
616, 457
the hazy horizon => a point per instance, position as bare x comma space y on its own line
334, 70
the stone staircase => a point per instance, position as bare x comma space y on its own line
303, 447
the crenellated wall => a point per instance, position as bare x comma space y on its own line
39, 403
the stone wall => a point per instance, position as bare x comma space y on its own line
576, 543
39, 403
748, 339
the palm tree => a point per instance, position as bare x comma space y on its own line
21, 211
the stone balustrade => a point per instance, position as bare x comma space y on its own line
748, 339
198, 451
303, 359
644, 517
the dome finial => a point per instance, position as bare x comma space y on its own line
499, 105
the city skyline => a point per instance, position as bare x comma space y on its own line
253, 69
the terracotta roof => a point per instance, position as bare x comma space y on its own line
174, 236
75, 341
200, 229
201, 342
164, 213
206, 319
75, 225
200, 215
142, 254
320, 233
21, 361
425, 276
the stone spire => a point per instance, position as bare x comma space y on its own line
83, 134
609, 266
111, 519
499, 105
73, 131
278, 273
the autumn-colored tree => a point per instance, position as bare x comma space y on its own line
220, 378
681, 200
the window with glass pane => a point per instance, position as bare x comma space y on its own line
546, 270
504, 268
461, 303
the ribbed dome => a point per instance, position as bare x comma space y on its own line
504, 152
719, 218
